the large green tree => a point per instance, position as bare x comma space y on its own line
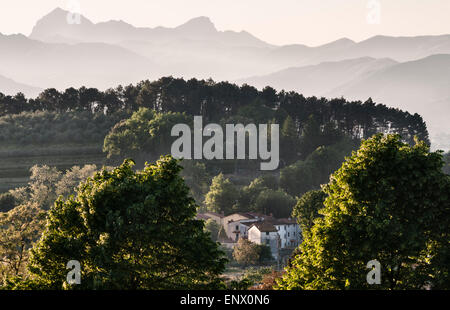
213, 228
289, 142
129, 230
278, 203
390, 202
20, 228
309, 174
307, 208
222, 195
447, 163
145, 135
248, 253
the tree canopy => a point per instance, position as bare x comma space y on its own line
307, 208
222, 195
129, 230
390, 202
215, 101
248, 253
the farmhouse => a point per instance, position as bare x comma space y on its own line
265, 233
278, 234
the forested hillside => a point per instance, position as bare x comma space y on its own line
68, 128
56, 138
54, 145
216, 101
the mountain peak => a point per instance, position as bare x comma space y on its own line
59, 16
55, 15
55, 23
199, 24
343, 42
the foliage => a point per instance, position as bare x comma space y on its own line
19, 230
42, 185
289, 141
277, 203
71, 178
248, 194
255, 274
222, 195
197, 178
316, 169
7, 202
268, 281
221, 100
263, 196
47, 183
146, 135
265, 254
240, 285
248, 253
388, 202
307, 209
213, 228
447, 163
251, 277
50, 127
129, 230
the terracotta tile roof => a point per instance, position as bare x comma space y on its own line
201, 216
265, 226
247, 215
283, 221
215, 214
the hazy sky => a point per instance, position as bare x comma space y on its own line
310, 22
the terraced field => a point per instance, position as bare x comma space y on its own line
15, 162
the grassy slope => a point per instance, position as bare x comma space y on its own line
16, 161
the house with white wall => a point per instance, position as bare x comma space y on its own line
289, 231
236, 225
258, 228
267, 234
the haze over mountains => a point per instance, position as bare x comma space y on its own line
420, 86
412, 73
8, 86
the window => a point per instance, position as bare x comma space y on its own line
267, 241
237, 227
288, 235
267, 233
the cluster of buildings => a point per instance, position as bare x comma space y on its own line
278, 234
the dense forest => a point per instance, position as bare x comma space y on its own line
89, 126
216, 101
69, 127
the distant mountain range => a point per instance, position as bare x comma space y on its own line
421, 86
319, 80
412, 73
63, 65
8, 86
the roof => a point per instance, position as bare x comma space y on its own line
215, 214
265, 227
259, 215
285, 221
247, 215
252, 215
201, 216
